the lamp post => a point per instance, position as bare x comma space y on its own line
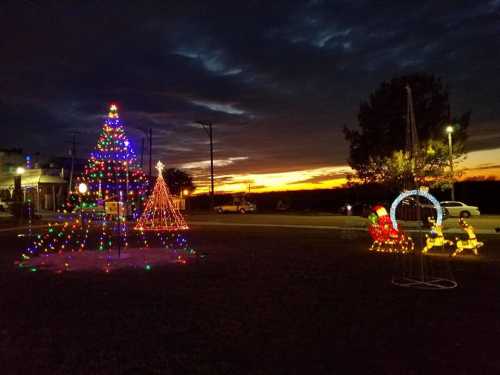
207, 126
82, 189
18, 187
449, 131
20, 195
185, 194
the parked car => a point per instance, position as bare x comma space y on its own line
241, 207
460, 209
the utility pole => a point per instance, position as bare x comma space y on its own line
207, 126
72, 170
142, 153
150, 152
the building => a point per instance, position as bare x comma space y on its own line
46, 187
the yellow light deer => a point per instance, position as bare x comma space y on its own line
436, 239
469, 244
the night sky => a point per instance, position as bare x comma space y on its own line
279, 79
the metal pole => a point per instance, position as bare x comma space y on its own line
420, 223
450, 149
118, 200
150, 152
142, 153
126, 186
211, 166
73, 150
119, 228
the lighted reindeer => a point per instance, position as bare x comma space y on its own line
469, 244
436, 238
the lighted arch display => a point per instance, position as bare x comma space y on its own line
406, 194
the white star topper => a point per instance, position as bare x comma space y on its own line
160, 167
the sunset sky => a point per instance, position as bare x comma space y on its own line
278, 79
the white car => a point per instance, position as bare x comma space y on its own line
242, 208
460, 209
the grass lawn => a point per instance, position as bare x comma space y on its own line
264, 301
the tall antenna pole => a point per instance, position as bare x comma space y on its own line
412, 144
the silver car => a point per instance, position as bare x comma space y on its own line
460, 209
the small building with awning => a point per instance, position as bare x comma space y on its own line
46, 187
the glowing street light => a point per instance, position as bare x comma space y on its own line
449, 131
184, 194
19, 192
82, 188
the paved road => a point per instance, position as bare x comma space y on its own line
487, 224
483, 224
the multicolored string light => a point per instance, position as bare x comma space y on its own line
160, 213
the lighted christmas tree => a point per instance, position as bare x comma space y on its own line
160, 213
112, 172
112, 188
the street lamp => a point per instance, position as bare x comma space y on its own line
449, 131
82, 189
184, 194
19, 194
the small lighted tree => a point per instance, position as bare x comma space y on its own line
160, 213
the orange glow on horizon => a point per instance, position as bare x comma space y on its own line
481, 164
309, 179
478, 164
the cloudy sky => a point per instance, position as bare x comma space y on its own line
278, 79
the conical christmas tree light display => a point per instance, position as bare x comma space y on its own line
112, 171
111, 189
160, 213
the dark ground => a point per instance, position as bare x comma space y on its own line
265, 301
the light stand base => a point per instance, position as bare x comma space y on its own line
433, 283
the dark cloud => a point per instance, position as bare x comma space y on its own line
278, 79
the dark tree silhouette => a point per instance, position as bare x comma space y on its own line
382, 124
178, 180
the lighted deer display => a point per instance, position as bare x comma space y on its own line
436, 238
469, 244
